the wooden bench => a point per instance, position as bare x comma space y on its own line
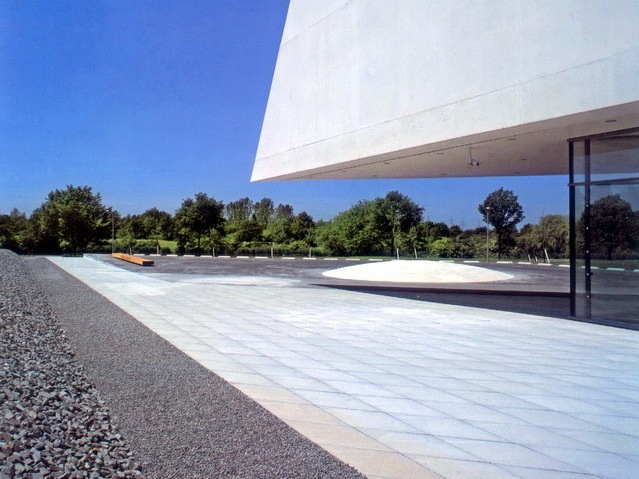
133, 259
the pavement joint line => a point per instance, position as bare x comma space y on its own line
341, 337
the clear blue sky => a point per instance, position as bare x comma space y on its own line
151, 102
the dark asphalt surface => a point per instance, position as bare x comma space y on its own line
527, 278
534, 289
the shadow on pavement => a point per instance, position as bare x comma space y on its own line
547, 304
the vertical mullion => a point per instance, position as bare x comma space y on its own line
587, 231
573, 230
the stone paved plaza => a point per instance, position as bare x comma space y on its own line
400, 388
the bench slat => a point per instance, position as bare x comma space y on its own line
133, 259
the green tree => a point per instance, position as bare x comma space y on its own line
280, 228
435, 230
238, 211
198, 217
550, 236
249, 230
133, 226
427, 232
41, 235
398, 214
442, 247
324, 236
502, 210
73, 218
156, 225
302, 228
355, 231
554, 235
12, 229
129, 231
526, 243
611, 223
241, 225
263, 211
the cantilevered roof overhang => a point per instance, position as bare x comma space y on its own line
463, 88
535, 149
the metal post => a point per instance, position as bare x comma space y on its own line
587, 232
487, 233
573, 229
112, 233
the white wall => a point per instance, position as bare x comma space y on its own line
359, 78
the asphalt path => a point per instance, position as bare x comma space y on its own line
533, 289
541, 290
526, 278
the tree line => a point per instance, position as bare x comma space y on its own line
75, 220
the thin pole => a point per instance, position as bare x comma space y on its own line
487, 243
487, 232
112, 233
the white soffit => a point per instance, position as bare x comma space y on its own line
528, 150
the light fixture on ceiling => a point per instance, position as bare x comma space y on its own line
611, 120
471, 163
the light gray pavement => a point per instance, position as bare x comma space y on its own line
405, 389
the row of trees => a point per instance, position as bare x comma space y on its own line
75, 219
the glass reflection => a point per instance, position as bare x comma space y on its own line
605, 189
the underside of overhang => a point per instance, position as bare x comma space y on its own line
533, 149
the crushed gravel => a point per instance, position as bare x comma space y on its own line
181, 420
53, 423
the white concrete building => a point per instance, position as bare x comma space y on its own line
419, 88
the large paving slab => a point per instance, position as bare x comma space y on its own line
401, 388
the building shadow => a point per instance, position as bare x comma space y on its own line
547, 304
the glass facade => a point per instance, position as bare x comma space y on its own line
604, 222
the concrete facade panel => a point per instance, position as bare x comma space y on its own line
304, 14
360, 79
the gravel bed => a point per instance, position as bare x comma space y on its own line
180, 419
53, 423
